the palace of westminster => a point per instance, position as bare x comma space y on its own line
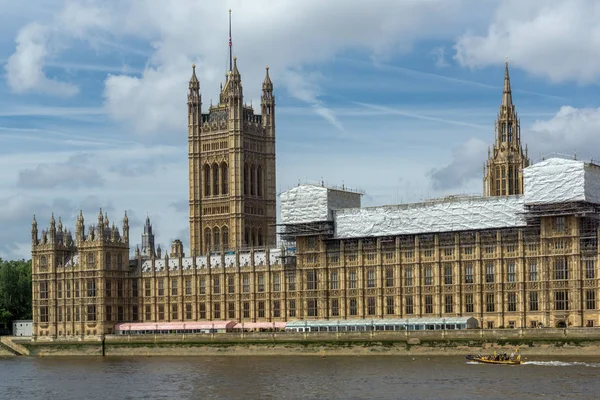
524, 254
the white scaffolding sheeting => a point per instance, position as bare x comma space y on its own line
447, 215
559, 180
311, 203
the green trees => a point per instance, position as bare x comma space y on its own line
15, 291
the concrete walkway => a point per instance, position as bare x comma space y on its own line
7, 343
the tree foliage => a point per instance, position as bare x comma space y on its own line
15, 291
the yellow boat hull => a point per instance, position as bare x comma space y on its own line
485, 360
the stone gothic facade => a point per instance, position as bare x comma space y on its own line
520, 266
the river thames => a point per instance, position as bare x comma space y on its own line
295, 377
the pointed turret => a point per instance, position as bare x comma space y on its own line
507, 103
100, 226
147, 239
504, 172
34, 231
194, 82
52, 228
79, 228
267, 105
267, 85
235, 77
126, 228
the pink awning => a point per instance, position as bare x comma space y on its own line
149, 326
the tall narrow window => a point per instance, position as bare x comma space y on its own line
371, 277
511, 272
489, 273
448, 304
512, 301
469, 273
371, 305
448, 274
207, 237
259, 183
590, 299
490, 302
224, 179
260, 237
252, 180
353, 307
352, 279
246, 180
428, 280
215, 171
561, 270
560, 224
428, 304
590, 269
225, 238
408, 276
389, 277
409, 305
469, 307
389, 305
533, 271
216, 239
533, 301
333, 281
335, 307
206, 180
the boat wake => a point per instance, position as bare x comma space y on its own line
562, 364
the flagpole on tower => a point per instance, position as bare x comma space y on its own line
230, 44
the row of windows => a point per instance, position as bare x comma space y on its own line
216, 179
87, 313
560, 272
216, 283
353, 308
390, 255
110, 262
72, 289
560, 303
222, 145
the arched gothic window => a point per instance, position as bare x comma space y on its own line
259, 181
207, 237
260, 237
206, 180
215, 173
252, 180
224, 178
225, 238
246, 180
216, 239
247, 239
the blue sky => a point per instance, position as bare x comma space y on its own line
395, 97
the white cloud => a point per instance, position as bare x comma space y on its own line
466, 165
285, 34
571, 131
24, 69
554, 39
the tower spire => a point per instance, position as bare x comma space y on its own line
507, 93
230, 44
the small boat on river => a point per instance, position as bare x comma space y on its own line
502, 359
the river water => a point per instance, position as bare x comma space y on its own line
295, 377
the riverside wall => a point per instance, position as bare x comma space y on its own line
540, 342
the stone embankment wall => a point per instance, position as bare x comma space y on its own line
567, 342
